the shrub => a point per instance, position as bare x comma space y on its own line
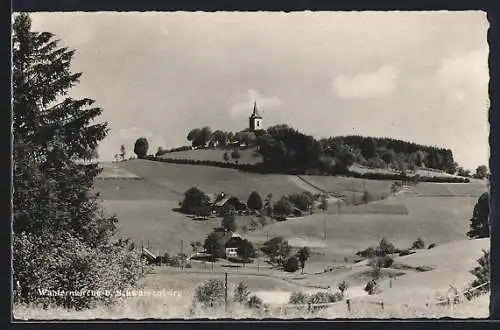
343, 286
423, 268
366, 253
405, 252
297, 298
322, 297
418, 244
235, 154
241, 293
482, 274
291, 264
381, 262
432, 245
210, 293
63, 262
254, 302
372, 287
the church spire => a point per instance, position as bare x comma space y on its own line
255, 113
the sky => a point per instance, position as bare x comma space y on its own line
417, 76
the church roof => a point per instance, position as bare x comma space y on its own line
255, 113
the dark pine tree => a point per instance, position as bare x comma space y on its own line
61, 237
255, 201
479, 225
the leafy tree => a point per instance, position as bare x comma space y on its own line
228, 222
418, 244
268, 205
303, 255
61, 237
204, 136
122, 152
481, 172
283, 207
385, 247
193, 134
210, 293
302, 201
246, 249
323, 204
218, 137
255, 201
276, 249
226, 157
241, 293
479, 223
368, 148
388, 156
291, 264
213, 247
195, 202
141, 147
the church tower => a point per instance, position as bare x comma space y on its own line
255, 119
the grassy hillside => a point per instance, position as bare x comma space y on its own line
248, 156
434, 219
179, 178
145, 208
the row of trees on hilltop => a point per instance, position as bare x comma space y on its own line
61, 238
383, 152
285, 149
205, 137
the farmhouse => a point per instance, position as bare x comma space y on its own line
224, 202
230, 241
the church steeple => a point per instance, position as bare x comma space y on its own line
255, 119
255, 113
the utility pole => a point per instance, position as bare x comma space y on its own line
182, 255
324, 227
142, 252
225, 293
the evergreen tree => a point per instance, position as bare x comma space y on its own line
61, 237
255, 201
479, 225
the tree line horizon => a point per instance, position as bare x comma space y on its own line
284, 148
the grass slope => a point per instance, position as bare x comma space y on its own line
248, 156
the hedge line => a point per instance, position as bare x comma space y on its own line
260, 168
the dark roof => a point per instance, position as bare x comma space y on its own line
255, 113
224, 237
223, 200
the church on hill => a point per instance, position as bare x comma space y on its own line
255, 119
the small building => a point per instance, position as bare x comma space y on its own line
255, 120
230, 241
226, 202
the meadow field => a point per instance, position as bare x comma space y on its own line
247, 156
143, 194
